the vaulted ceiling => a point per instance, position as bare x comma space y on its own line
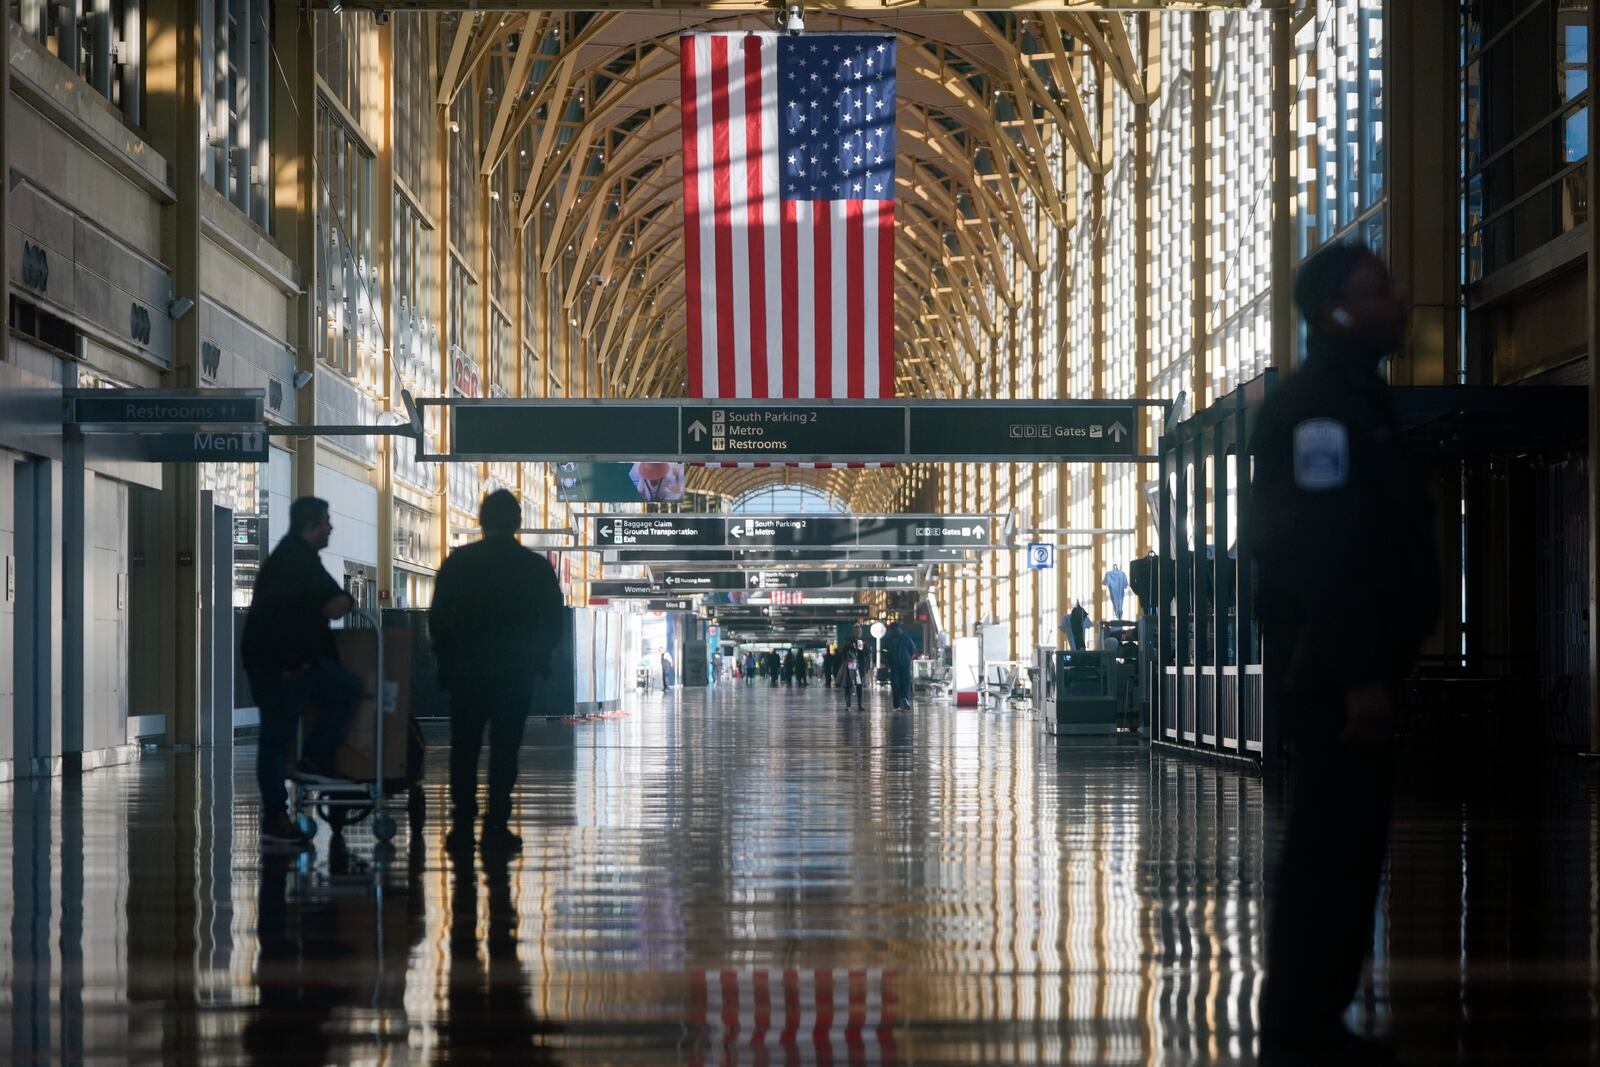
988, 105
992, 107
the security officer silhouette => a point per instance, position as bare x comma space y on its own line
1348, 588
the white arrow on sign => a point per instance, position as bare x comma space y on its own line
755, 580
605, 531
1117, 431
697, 429
738, 529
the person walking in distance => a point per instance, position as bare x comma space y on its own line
898, 651
749, 668
496, 620
288, 654
853, 670
1341, 531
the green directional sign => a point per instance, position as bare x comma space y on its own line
512, 429
152, 410
1020, 431
789, 431
803, 431
677, 581
624, 588
209, 446
671, 531
832, 578
936, 531
745, 613
791, 531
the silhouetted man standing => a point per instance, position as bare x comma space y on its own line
496, 620
1349, 588
288, 653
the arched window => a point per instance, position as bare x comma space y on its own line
788, 500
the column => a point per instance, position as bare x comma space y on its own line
1422, 90
1106, 87
1200, 103
383, 252
294, 120
177, 126
1143, 254
1282, 284
1593, 176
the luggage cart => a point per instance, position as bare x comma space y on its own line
343, 803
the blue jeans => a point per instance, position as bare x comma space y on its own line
335, 692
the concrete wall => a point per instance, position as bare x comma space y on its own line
88, 198
353, 505
105, 614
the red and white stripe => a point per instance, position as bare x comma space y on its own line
827, 1016
789, 299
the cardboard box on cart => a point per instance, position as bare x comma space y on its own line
358, 654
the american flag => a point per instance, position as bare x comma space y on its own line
788, 191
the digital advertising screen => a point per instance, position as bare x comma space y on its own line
618, 483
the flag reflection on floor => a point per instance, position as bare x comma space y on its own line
796, 1016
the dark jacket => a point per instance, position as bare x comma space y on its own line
853, 663
899, 649
497, 615
1340, 528
285, 628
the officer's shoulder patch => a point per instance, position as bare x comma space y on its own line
1321, 455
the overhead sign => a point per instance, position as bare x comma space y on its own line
832, 579
794, 430
947, 531
719, 431
562, 429
670, 605
209, 446
741, 612
774, 579
1041, 557
778, 533
660, 556
154, 410
676, 581
1055, 432
798, 531
623, 588
662, 530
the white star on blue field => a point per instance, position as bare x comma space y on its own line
836, 110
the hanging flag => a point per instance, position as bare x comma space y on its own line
788, 209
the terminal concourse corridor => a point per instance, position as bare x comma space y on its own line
751, 876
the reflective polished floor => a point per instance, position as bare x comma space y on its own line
751, 876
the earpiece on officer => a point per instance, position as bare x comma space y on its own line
1342, 317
